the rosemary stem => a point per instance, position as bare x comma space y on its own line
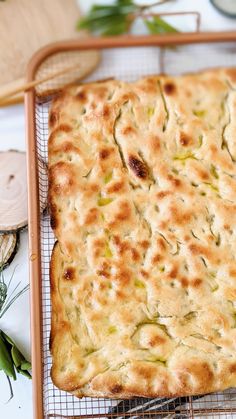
10, 387
157, 3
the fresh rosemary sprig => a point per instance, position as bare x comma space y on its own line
158, 25
117, 18
7, 300
11, 358
114, 19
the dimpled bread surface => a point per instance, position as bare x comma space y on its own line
142, 195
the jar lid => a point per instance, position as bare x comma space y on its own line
227, 7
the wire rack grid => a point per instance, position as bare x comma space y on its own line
127, 64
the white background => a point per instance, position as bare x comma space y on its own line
12, 135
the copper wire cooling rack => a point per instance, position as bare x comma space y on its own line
126, 58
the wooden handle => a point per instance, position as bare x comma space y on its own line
30, 85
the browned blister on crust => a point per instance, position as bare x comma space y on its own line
142, 196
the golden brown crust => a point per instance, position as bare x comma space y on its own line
142, 194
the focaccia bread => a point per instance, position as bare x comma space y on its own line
142, 194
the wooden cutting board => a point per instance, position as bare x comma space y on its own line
27, 25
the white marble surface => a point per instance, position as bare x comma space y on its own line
12, 135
